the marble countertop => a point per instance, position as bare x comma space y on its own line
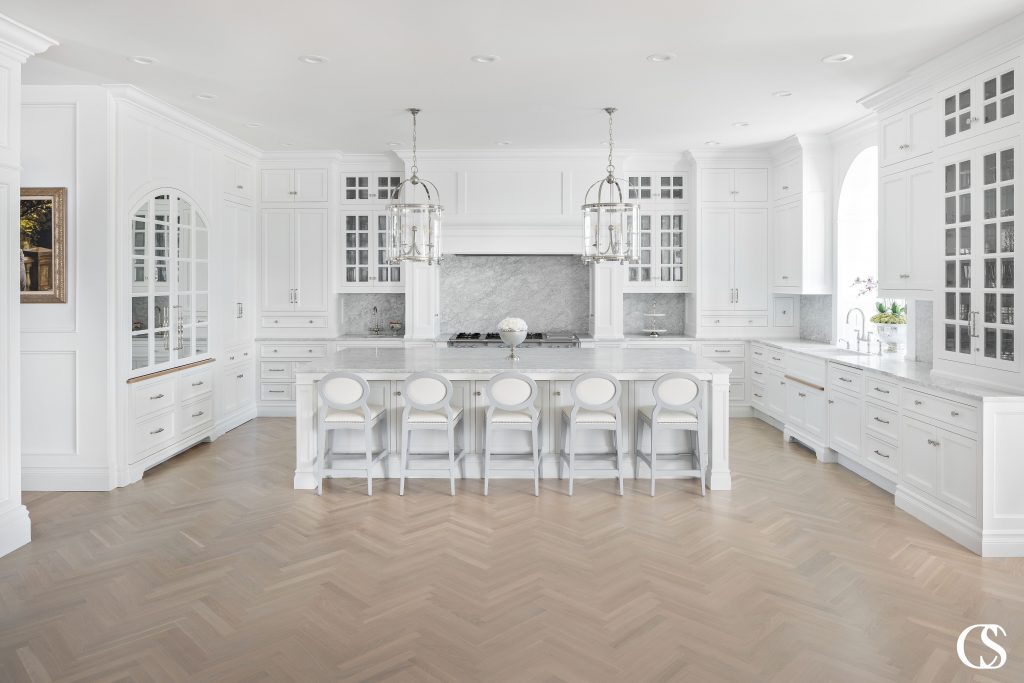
342, 338
455, 361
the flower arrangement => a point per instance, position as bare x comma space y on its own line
867, 284
512, 325
890, 314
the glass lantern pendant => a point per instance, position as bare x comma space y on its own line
611, 226
414, 227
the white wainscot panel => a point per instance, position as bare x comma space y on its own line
1007, 433
49, 424
172, 156
135, 152
514, 193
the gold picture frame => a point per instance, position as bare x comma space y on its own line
43, 242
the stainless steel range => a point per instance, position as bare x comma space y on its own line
547, 340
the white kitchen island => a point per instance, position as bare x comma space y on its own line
469, 369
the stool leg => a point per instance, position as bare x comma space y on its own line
487, 456
536, 460
451, 456
572, 455
618, 453
403, 464
654, 456
699, 454
322, 447
564, 446
368, 435
636, 450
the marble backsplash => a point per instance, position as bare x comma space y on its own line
549, 292
635, 305
356, 311
816, 317
921, 324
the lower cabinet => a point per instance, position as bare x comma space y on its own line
844, 424
940, 463
807, 410
775, 394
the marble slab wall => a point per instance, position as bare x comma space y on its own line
921, 327
356, 311
635, 305
816, 317
550, 293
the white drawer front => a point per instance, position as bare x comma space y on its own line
735, 321
718, 351
277, 392
806, 368
759, 353
882, 422
844, 378
153, 433
881, 390
293, 350
195, 384
941, 409
150, 397
277, 370
295, 322
195, 416
775, 358
757, 398
737, 392
758, 372
881, 454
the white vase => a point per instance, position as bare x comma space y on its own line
893, 335
513, 338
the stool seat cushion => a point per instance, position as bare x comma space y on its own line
670, 416
591, 416
511, 417
355, 416
417, 416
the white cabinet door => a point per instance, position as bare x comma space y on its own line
919, 459
893, 234
277, 185
750, 185
718, 259
237, 178
311, 185
794, 396
243, 269
844, 424
958, 471
788, 245
717, 184
788, 178
311, 260
921, 257
750, 259
276, 262
775, 394
920, 130
815, 414
893, 132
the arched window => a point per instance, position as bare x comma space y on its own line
169, 283
857, 243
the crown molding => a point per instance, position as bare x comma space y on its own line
309, 155
532, 154
21, 42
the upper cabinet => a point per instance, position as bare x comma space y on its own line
664, 254
294, 269
907, 214
985, 102
238, 179
734, 185
369, 188
788, 179
364, 265
907, 134
294, 185
734, 280
647, 188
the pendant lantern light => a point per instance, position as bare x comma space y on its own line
414, 227
611, 226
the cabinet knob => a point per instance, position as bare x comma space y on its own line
239, 376
239, 187
932, 442
478, 393
197, 414
917, 403
785, 187
558, 393
954, 413
830, 401
785, 277
293, 192
801, 394
398, 393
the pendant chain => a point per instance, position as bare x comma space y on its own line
415, 169
611, 143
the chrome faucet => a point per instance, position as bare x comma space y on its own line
861, 336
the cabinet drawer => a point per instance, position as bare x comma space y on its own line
775, 358
239, 353
151, 434
151, 397
724, 350
758, 372
757, 395
277, 392
881, 454
882, 422
195, 416
759, 353
881, 390
845, 378
195, 384
293, 350
807, 369
737, 392
946, 411
277, 370
735, 321
312, 321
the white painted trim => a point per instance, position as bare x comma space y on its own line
863, 472
21, 42
1002, 543
66, 479
230, 422
15, 530
939, 519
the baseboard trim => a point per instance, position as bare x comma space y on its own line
275, 411
15, 529
864, 472
1002, 543
233, 421
66, 479
941, 520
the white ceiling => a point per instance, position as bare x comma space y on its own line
561, 61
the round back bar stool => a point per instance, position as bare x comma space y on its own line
345, 405
512, 399
428, 407
595, 406
678, 405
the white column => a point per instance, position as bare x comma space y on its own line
422, 301
721, 477
306, 440
607, 281
17, 44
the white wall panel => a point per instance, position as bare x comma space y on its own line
513, 193
49, 399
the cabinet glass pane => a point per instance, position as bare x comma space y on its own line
1006, 237
140, 276
1006, 279
183, 309
202, 308
1006, 345
1006, 200
965, 274
161, 346
989, 168
950, 210
990, 343
990, 308
990, 113
965, 240
184, 275
950, 338
1006, 165
990, 204
140, 313
965, 175
161, 312
184, 347
202, 336
140, 351
965, 340
965, 307
1006, 107
161, 240
950, 306
139, 237
991, 241
990, 273
965, 208
1006, 309
951, 273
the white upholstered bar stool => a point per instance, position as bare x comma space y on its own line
595, 406
428, 407
345, 405
512, 399
678, 405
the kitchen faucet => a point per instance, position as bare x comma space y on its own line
861, 337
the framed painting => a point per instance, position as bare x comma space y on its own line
43, 242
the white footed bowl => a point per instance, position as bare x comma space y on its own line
512, 338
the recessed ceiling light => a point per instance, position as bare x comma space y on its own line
485, 59
837, 58
205, 96
712, 143
503, 143
782, 93
660, 57
142, 59
313, 59
394, 144
741, 124
253, 124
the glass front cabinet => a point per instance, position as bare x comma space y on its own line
981, 104
169, 284
980, 283
663, 264
364, 265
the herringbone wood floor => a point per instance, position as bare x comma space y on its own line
213, 569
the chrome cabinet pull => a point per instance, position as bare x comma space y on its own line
878, 452
197, 384
275, 369
776, 359
153, 398
801, 394
478, 393
157, 431
275, 391
882, 391
954, 413
932, 442
721, 350
918, 403
239, 376
197, 414
845, 379
878, 419
758, 372
758, 396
